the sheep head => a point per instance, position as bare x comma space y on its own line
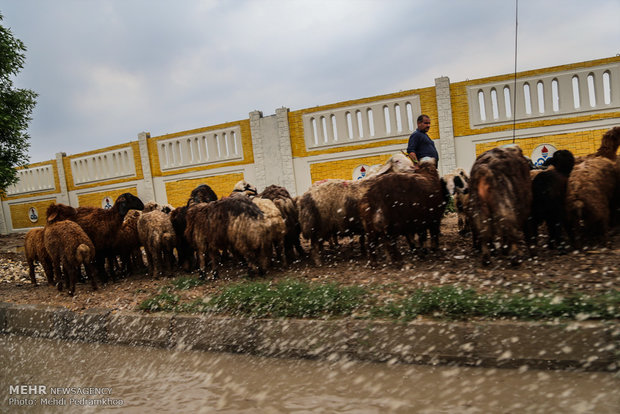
457, 181
397, 163
609, 144
201, 194
563, 161
245, 187
59, 212
126, 202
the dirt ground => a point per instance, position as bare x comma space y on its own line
589, 271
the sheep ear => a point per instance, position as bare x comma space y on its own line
52, 216
385, 168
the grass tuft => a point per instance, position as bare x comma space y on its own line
288, 298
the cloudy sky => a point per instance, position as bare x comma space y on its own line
106, 70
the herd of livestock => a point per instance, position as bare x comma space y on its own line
501, 203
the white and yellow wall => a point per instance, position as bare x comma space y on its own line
567, 107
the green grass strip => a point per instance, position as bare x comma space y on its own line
288, 298
298, 299
456, 303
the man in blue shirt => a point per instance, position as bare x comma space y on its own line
421, 147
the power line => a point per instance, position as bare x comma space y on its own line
514, 92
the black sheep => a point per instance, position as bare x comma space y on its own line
549, 196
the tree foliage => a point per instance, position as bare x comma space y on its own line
16, 105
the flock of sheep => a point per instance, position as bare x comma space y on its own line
501, 202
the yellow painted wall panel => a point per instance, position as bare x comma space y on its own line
579, 143
20, 218
178, 191
343, 169
95, 199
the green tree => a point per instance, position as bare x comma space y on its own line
16, 105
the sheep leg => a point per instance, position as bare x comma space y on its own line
150, 262
49, 271
157, 264
100, 263
202, 264
373, 245
289, 251
183, 253
264, 259
91, 271
411, 241
363, 249
72, 276
333, 242
57, 274
392, 248
168, 261
316, 245
64, 278
215, 257
435, 230
422, 236
280, 255
31, 271
297, 244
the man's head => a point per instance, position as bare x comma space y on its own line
424, 123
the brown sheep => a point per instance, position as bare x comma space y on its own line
127, 245
457, 183
330, 208
610, 142
201, 194
500, 202
68, 245
549, 196
285, 203
403, 204
591, 193
232, 223
34, 250
153, 205
159, 239
274, 226
101, 225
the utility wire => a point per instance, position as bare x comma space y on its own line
514, 92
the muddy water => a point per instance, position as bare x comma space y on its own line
148, 379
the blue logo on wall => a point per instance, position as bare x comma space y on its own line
33, 214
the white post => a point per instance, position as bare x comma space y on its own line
447, 149
148, 187
63, 197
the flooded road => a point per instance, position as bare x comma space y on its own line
65, 376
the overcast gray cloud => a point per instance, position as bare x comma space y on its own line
107, 70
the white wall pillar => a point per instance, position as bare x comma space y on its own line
447, 149
63, 197
258, 148
148, 188
273, 156
287, 172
